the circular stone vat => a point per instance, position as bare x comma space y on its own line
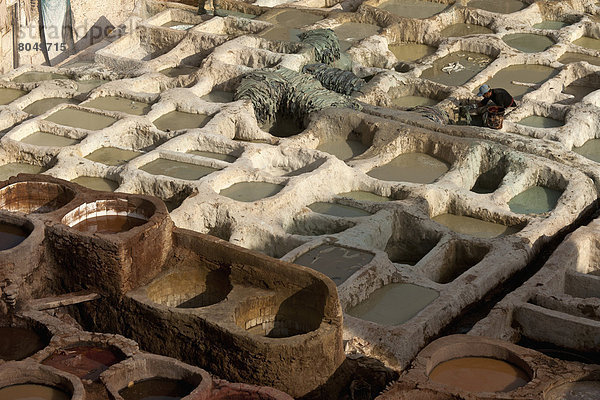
535, 200
251, 191
11, 234
479, 374
109, 216
81, 119
498, 6
528, 42
549, 24
582, 390
409, 52
119, 104
29, 391
364, 196
413, 8
35, 197
473, 63
113, 156
337, 262
13, 169
97, 183
41, 106
590, 149
344, 149
459, 30
350, 33
178, 120
338, 210
86, 361
267, 316
34, 76
394, 304
588, 42
411, 167
282, 126
474, 226
8, 95
190, 287
538, 121
157, 389
569, 57
521, 73
19, 342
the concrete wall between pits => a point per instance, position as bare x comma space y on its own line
306, 347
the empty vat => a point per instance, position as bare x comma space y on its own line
498, 6
535, 200
190, 287
590, 149
528, 42
49, 139
176, 120
338, 263
579, 90
581, 390
34, 76
19, 343
177, 169
15, 168
41, 106
537, 121
344, 149
81, 119
113, 155
550, 24
521, 73
462, 29
29, 391
458, 258
12, 235
8, 95
473, 226
34, 197
409, 52
350, 33
588, 42
174, 72
473, 63
364, 196
413, 101
97, 183
121, 104
569, 57
409, 247
411, 167
393, 304
218, 96
157, 389
282, 125
490, 180
337, 210
84, 361
479, 374
211, 154
413, 8
251, 191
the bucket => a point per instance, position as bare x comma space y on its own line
495, 117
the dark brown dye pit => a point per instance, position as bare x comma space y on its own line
32, 391
85, 362
11, 235
19, 343
157, 389
109, 224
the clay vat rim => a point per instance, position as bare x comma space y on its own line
33, 373
72, 193
41, 330
30, 226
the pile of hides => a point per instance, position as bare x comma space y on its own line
324, 42
335, 79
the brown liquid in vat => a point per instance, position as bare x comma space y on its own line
109, 224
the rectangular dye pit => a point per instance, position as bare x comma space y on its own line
177, 169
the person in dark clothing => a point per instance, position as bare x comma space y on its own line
498, 96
